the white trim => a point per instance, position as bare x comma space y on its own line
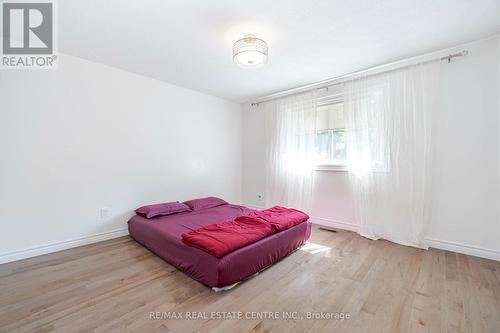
61, 245
462, 248
443, 54
331, 167
335, 224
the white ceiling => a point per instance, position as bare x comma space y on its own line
189, 42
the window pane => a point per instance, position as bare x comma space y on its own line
324, 145
330, 134
339, 145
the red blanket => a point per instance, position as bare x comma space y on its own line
221, 238
280, 218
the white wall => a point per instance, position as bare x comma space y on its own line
88, 136
464, 212
466, 170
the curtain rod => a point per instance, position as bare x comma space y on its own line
339, 79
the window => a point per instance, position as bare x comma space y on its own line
331, 145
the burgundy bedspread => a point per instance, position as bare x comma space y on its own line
163, 236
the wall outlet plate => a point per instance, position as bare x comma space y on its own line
104, 212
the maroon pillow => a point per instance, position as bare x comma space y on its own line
204, 203
166, 208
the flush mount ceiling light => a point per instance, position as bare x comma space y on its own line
250, 52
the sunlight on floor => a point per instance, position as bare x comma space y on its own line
314, 248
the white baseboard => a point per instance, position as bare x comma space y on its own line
62, 245
335, 224
462, 248
430, 242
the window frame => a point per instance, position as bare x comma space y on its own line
334, 165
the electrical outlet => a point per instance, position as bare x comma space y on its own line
104, 212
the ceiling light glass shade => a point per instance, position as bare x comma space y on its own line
250, 52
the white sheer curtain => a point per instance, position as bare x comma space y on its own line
389, 137
290, 150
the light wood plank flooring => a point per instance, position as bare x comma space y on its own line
113, 286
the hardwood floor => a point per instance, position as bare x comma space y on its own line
113, 286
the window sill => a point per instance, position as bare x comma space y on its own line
331, 167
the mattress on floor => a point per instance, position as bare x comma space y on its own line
163, 236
